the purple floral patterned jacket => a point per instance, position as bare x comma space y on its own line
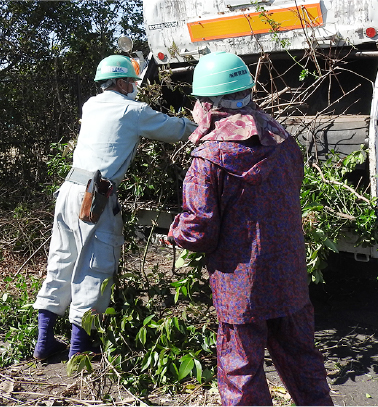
242, 208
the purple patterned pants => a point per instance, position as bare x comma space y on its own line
290, 341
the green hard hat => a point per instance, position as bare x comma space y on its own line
221, 73
115, 66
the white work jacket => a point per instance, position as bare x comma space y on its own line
111, 128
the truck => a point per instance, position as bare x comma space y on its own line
314, 62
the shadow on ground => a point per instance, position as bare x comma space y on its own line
346, 318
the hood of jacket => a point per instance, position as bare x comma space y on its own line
235, 125
252, 164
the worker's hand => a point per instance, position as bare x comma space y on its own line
169, 240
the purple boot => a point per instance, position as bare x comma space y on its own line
47, 345
81, 342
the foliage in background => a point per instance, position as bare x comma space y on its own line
18, 322
49, 52
155, 177
334, 209
132, 24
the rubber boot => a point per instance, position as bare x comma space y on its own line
47, 345
81, 342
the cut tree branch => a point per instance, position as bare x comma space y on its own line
350, 189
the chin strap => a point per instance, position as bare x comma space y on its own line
107, 84
219, 101
216, 100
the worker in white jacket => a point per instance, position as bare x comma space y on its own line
85, 252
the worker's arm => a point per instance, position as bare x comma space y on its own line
159, 126
197, 227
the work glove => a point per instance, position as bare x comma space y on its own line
170, 238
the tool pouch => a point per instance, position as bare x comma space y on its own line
95, 198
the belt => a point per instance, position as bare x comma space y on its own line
79, 176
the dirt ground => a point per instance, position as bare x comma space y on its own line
346, 319
346, 311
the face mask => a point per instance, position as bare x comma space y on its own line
132, 95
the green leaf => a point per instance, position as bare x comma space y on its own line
313, 206
73, 365
331, 245
186, 366
179, 283
153, 324
208, 374
180, 262
146, 361
142, 335
319, 233
205, 345
177, 295
87, 321
148, 319
88, 364
168, 328
173, 369
198, 370
27, 306
78, 363
104, 285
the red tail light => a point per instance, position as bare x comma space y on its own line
371, 32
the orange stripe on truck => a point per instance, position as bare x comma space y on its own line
283, 19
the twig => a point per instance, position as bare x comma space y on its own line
350, 189
338, 100
309, 91
198, 387
146, 250
32, 255
3, 396
119, 378
340, 214
311, 48
258, 69
185, 145
273, 97
337, 344
289, 104
355, 73
174, 259
67, 399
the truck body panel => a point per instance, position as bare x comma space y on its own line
326, 23
315, 65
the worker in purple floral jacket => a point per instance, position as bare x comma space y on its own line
241, 207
